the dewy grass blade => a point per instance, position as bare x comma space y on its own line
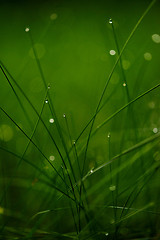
31, 141
19, 100
109, 77
53, 112
135, 212
100, 212
124, 83
70, 204
30, 103
124, 107
22, 157
50, 184
133, 148
107, 183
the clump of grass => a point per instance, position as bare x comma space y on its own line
101, 183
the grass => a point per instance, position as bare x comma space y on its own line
79, 142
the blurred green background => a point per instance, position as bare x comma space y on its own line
73, 40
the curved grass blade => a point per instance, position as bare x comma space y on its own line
109, 77
24, 133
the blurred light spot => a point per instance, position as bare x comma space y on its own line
52, 158
27, 29
151, 105
1, 210
46, 101
156, 38
64, 115
112, 188
125, 64
6, 133
106, 234
53, 16
112, 52
40, 51
51, 120
155, 130
148, 56
115, 78
124, 84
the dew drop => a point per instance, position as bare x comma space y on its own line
51, 120
46, 101
27, 29
109, 135
52, 158
110, 21
112, 188
64, 115
49, 86
124, 84
73, 142
106, 234
91, 171
155, 130
112, 52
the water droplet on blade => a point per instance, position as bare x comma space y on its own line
112, 52
51, 120
110, 21
109, 135
27, 29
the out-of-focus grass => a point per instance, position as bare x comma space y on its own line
79, 125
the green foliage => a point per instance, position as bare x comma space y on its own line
79, 127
